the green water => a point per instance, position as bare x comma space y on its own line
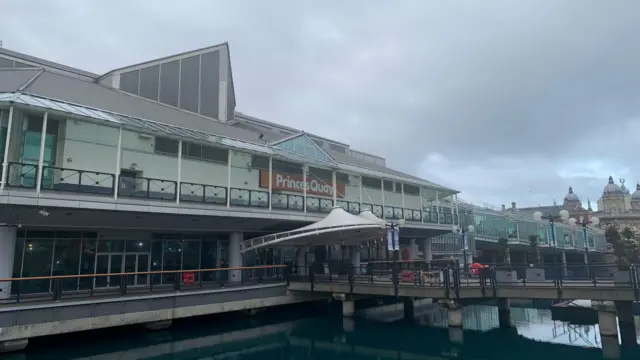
284, 335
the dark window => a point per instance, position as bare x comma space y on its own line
210, 84
259, 162
399, 188
320, 173
189, 83
388, 185
411, 190
192, 150
342, 177
166, 146
287, 167
35, 124
149, 81
6, 63
169, 82
338, 148
129, 82
215, 154
318, 142
372, 183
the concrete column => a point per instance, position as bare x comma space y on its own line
7, 254
409, 308
348, 308
235, 257
301, 264
563, 255
624, 310
504, 312
426, 250
412, 249
454, 316
608, 324
354, 258
469, 259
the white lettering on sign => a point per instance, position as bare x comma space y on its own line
312, 185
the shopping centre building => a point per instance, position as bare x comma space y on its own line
150, 167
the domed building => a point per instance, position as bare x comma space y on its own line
618, 206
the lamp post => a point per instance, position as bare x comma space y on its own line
562, 215
584, 223
393, 243
465, 242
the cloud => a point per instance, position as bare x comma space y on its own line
503, 100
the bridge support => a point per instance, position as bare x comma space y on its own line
348, 305
454, 312
504, 312
7, 252
235, 257
409, 308
624, 310
13, 345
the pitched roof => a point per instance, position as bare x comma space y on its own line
13, 79
46, 63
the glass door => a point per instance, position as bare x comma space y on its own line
136, 263
108, 264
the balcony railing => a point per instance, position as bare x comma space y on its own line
21, 175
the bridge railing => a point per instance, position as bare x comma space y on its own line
452, 277
67, 287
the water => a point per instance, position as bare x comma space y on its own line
284, 335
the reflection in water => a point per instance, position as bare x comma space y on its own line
533, 336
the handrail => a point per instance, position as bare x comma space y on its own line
79, 276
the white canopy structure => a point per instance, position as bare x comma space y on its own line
338, 227
368, 215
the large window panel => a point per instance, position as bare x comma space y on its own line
210, 84
170, 83
149, 82
189, 83
88, 259
66, 258
208, 257
129, 82
38, 256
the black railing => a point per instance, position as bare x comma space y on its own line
208, 194
98, 183
452, 277
136, 283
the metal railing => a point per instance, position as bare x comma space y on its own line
124, 283
450, 276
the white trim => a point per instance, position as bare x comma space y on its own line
421, 204
43, 137
5, 159
334, 188
118, 165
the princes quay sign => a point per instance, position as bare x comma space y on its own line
295, 183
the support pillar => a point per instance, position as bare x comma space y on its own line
348, 308
624, 311
469, 260
409, 308
235, 257
413, 249
504, 312
7, 255
607, 322
354, 258
563, 256
301, 261
426, 250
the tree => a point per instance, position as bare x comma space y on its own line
625, 248
534, 241
506, 251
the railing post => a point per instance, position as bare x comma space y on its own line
176, 284
123, 285
312, 277
57, 290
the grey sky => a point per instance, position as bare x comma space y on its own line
504, 100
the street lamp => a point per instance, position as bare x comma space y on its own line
562, 215
465, 242
584, 223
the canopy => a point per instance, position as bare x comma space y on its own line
368, 215
338, 227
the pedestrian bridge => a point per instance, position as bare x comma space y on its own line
153, 306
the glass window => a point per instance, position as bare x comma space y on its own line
169, 83
172, 259
192, 150
66, 258
110, 246
137, 246
372, 183
215, 154
129, 81
191, 256
88, 258
304, 146
189, 83
38, 256
149, 82
156, 259
166, 146
208, 258
210, 84
388, 186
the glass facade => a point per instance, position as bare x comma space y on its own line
49, 253
303, 145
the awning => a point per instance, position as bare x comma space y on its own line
338, 227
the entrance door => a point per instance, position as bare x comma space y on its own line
136, 263
108, 264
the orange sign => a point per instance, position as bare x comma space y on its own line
295, 183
